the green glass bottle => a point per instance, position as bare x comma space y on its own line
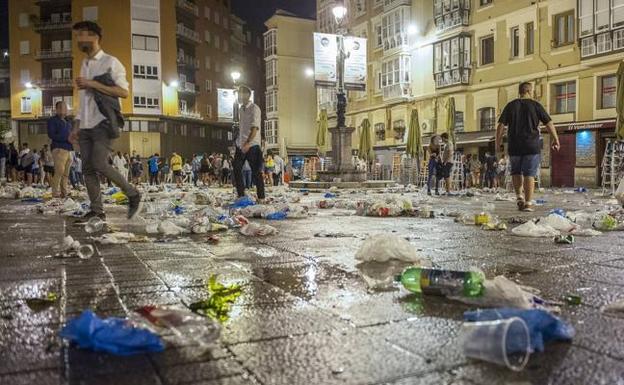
442, 282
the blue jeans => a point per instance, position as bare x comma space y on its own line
432, 168
247, 178
525, 165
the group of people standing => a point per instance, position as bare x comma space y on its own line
490, 173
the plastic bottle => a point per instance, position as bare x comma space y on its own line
442, 282
94, 225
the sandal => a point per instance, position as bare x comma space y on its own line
520, 203
527, 207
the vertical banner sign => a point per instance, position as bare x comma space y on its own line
225, 104
325, 53
355, 64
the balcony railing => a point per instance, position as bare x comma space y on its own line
46, 84
188, 7
187, 88
190, 114
398, 42
46, 54
396, 91
456, 76
187, 33
390, 4
50, 25
329, 106
455, 18
188, 61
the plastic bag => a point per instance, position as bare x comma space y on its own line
501, 292
558, 222
242, 202
186, 326
111, 335
385, 247
543, 326
276, 216
530, 229
257, 230
170, 228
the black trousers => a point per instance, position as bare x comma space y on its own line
153, 178
254, 157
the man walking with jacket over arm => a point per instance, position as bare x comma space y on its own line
93, 129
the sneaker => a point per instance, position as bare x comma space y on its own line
134, 206
83, 220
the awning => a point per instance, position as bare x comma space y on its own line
301, 151
606, 124
475, 137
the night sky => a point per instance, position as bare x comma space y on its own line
4, 24
256, 12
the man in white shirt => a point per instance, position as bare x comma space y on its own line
248, 144
91, 129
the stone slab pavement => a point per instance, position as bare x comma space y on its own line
306, 316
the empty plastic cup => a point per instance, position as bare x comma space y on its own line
503, 342
85, 251
94, 225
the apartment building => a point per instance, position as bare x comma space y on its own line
175, 53
290, 94
5, 95
421, 53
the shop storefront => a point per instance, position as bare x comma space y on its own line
578, 162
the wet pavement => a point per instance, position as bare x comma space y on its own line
306, 316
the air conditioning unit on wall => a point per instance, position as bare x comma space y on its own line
426, 126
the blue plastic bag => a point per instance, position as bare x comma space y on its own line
329, 195
276, 216
580, 190
242, 202
32, 200
560, 212
543, 326
111, 335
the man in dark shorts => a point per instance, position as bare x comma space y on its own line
522, 118
491, 165
445, 165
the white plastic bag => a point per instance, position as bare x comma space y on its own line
170, 228
385, 247
257, 230
501, 292
558, 222
530, 229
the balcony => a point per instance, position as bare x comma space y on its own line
54, 84
395, 44
190, 114
53, 25
453, 77
187, 88
391, 4
52, 2
456, 18
49, 54
188, 61
396, 92
187, 33
188, 6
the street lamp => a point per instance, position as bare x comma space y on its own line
236, 75
339, 11
174, 84
309, 72
412, 29
28, 85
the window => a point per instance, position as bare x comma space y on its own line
67, 73
603, 42
515, 42
217, 42
618, 39
24, 75
529, 44
586, 17
448, 14
207, 36
208, 85
207, 13
608, 86
359, 7
487, 50
209, 111
617, 13
216, 18
26, 105
143, 101
601, 15
487, 118
451, 61
57, 73
271, 73
484, 2
564, 97
271, 101
145, 11
226, 47
380, 132
563, 32
270, 132
23, 20
378, 36
378, 3
145, 42
270, 43
145, 71
207, 65
398, 126
90, 13
395, 71
588, 46
393, 28
24, 47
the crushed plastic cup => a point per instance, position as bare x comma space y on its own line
94, 225
504, 342
85, 251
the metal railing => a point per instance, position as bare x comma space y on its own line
53, 54
189, 61
188, 6
190, 114
187, 87
49, 25
390, 4
54, 83
188, 33
396, 91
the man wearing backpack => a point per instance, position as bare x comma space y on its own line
25, 164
